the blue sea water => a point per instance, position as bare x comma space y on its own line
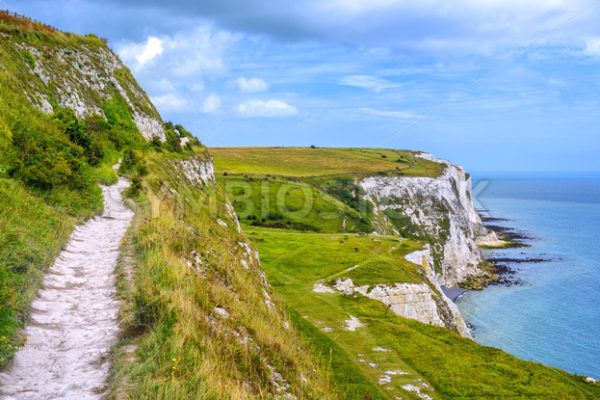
554, 316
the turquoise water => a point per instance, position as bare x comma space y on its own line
554, 317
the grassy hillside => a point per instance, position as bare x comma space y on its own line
199, 319
313, 162
388, 357
443, 364
310, 189
281, 203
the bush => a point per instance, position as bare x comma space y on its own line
135, 187
45, 160
129, 161
172, 140
79, 134
156, 143
122, 130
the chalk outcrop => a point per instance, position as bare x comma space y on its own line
439, 210
81, 77
198, 171
418, 301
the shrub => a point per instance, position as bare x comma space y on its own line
122, 129
172, 140
129, 161
45, 160
79, 134
156, 143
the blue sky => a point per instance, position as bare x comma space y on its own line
493, 85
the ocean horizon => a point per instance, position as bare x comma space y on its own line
553, 315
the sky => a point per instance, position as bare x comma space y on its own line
493, 85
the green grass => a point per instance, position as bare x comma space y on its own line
317, 257
309, 162
452, 367
281, 203
184, 349
31, 234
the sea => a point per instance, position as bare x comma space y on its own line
553, 315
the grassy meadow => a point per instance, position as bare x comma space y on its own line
441, 363
302, 162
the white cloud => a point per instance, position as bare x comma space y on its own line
185, 54
252, 85
391, 113
368, 82
142, 53
198, 52
266, 108
170, 102
211, 104
592, 47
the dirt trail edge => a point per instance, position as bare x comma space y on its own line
74, 318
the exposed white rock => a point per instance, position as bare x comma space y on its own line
353, 323
388, 376
490, 240
416, 301
440, 208
448, 310
409, 300
381, 349
148, 126
417, 390
347, 287
87, 76
420, 257
221, 312
198, 171
194, 262
268, 300
233, 216
320, 288
281, 386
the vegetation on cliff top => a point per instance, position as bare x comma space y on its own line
311, 162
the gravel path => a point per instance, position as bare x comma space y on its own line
74, 318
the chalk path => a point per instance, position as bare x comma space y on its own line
74, 318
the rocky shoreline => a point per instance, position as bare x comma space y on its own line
500, 267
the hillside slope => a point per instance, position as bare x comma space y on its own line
369, 296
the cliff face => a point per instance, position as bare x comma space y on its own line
79, 74
438, 210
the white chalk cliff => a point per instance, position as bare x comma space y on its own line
80, 78
439, 210
424, 302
